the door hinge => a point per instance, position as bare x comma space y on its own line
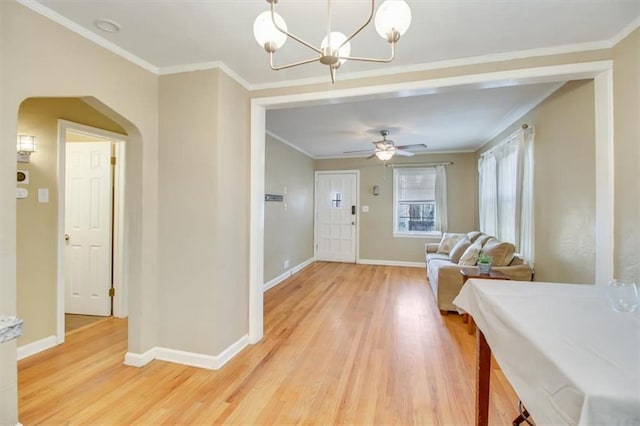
112, 292
113, 161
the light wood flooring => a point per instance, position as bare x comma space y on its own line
343, 343
73, 322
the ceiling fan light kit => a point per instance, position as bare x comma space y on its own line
386, 148
391, 21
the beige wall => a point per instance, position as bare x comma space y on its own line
564, 183
51, 61
37, 234
203, 214
288, 233
626, 92
376, 227
187, 208
232, 207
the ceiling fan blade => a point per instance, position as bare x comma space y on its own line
362, 151
404, 153
415, 146
371, 156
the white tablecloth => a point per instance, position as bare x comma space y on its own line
570, 358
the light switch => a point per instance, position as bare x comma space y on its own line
365, 209
43, 195
22, 193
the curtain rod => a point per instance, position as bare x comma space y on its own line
442, 163
506, 140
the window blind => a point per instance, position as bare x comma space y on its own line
416, 184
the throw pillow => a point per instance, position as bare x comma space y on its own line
448, 241
482, 239
501, 252
470, 255
473, 235
457, 250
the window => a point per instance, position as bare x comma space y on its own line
416, 208
506, 192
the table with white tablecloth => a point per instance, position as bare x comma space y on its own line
570, 358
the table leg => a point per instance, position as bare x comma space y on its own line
471, 325
483, 376
465, 318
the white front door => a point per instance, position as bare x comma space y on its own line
336, 214
88, 228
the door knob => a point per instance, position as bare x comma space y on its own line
66, 237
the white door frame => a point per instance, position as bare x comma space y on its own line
120, 300
600, 71
315, 209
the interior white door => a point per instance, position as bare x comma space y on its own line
88, 228
336, 214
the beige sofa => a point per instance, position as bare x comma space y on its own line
446, 281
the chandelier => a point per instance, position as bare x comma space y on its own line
391, 21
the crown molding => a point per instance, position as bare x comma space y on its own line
517, 113
91, 36
459, 62
290, 144
623, 33
203, 66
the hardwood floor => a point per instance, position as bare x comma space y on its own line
343, 344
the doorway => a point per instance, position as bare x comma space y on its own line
336, 216
91, 178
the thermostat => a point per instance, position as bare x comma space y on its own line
23, 176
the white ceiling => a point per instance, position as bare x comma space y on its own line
451, 120
171, 35
167, 36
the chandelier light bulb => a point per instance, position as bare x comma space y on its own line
266, 34
393, 19
333, 40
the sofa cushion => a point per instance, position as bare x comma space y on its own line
457, 250
449, 240
470, 256
501, 252
516, 261
473, 235
482, 239
439, 256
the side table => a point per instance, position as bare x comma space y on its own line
474, 273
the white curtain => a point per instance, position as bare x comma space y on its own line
506, 192
488, 194
441, 224
526, 215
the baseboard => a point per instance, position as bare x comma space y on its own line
392, 263
36, 347
277, 280
192, 359
234, 349
140, 360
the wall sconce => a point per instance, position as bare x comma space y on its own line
25, 146
376, 190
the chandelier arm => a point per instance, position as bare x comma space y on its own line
382, 60
291, 65
287, 33
361, 27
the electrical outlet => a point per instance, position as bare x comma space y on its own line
286, 263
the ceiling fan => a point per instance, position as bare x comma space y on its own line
385, 148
